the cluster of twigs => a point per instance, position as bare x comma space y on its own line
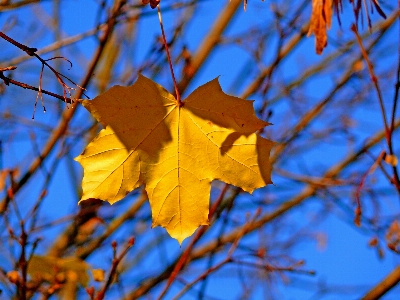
60, 77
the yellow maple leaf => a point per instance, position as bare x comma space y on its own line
321, 20
175, 149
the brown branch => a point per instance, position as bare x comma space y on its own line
30, 51
10, 6
227, 259
115, 263
10, 68
69, 113
215, 245
59, 44
382, 27
94, 244
371, 169
383, 286
306, 193
288, 48
62, 243
23, 264
374, 78
183, 259
397, 84
8, 80
310, 115
210, 41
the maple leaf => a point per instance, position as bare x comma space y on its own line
321, 19
175, 149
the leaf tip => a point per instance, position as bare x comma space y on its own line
216, 82
78, 158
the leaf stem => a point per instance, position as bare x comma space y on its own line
178, 96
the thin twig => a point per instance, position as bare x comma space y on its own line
10, 68
209, 42
115, 263
94, 244
30, 51
62, 242
227, 259
181, 262
373, 78
358, 211
8, 80
388, 131
23, 264
178, 96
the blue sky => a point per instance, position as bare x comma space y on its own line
345, 259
